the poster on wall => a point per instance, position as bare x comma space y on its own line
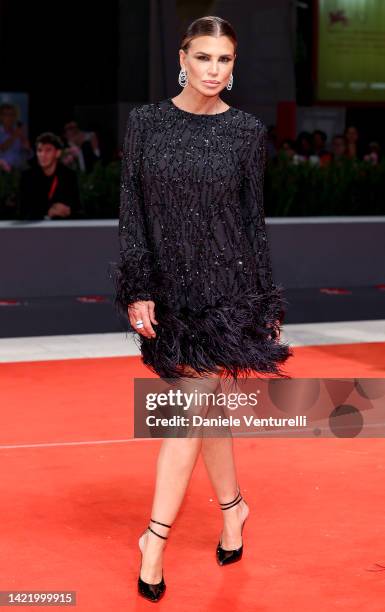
350, 50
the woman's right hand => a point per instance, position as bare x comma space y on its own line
145, 311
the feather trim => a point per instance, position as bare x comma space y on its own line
240, 335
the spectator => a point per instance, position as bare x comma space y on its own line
49, 189
374, 152
287, 150
353, 143
304, 146
338, 147
14, 145
84, 147
319, 147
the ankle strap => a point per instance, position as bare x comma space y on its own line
234, 502
164, 524
158, 534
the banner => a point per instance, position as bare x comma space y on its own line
351, 50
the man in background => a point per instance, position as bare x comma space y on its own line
49, 189
84, 146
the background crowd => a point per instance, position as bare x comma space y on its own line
49, 171
313, 147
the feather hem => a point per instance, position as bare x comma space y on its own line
238, 336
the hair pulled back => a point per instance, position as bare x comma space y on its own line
208, 26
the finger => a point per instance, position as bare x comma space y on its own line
134, 314
151, 312
147, 323
139, 329
141, 314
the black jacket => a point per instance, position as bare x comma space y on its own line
38, 192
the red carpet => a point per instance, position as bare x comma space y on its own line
71, 515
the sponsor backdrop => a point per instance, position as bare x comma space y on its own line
351, 50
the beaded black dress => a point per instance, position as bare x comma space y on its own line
192, 239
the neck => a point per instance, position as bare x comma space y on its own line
51, 169
193, 101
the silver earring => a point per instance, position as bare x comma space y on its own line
230, 83
183, 78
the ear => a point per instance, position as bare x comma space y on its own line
182, 56
58, 153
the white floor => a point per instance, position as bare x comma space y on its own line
39, 348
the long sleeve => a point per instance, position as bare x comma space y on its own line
253, 208
134, 273
252, 198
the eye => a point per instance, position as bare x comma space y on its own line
222, 59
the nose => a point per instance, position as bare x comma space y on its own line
213, 70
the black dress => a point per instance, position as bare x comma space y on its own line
192, 239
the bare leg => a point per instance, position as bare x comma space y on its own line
176, 461
218, 456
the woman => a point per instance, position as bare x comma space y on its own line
195, 272
353, 143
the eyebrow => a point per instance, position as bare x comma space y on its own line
208, 54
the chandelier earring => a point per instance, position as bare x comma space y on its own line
183, 78
230, 83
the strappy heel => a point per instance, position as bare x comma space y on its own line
152, 592
224, 557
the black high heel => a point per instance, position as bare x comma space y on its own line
152, 592
225, 557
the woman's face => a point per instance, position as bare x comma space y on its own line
208, 62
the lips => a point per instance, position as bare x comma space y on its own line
212, 82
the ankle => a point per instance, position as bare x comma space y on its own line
234, 502
233, 498
235, 511
154, 542
156, 535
